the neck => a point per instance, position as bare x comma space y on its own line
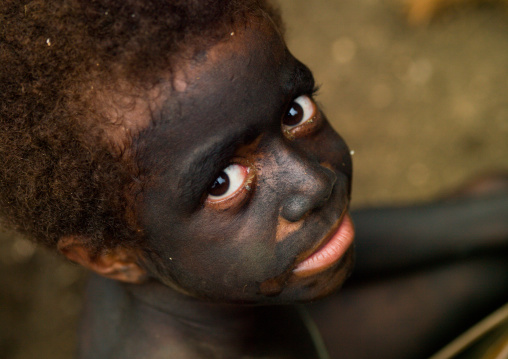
152, 320
187, 310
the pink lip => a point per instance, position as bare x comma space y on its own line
327, 255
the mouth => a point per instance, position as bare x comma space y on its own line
330, 250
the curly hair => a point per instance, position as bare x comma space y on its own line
59, 176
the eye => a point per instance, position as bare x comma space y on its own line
228, 183
301, 119
301, 110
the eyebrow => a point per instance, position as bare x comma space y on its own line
299, 81
208, 160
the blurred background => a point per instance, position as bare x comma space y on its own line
422, 100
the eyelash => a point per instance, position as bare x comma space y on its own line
315, 91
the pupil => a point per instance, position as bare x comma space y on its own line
294, 115
220, 186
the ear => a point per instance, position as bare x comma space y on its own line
119, 263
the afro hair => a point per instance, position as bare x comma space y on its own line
59, 176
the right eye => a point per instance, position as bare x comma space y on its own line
228, 183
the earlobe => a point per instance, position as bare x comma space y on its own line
118, 263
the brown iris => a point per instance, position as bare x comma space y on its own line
220, 186
294, 115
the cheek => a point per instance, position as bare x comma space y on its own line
215, 255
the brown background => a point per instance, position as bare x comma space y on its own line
424, 108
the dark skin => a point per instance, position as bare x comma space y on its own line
278, 233
297, 191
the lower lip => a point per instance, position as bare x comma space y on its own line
327, 256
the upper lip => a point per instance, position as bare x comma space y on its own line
324, 240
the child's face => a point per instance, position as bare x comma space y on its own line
248, 178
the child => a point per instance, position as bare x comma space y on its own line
176, 148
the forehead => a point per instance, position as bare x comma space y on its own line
229, 78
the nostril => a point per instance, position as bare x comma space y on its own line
331, 176
326, 187
295, 208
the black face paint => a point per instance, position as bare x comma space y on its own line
291, 182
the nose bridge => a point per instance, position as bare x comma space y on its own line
307, 184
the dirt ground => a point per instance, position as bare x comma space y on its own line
424, 109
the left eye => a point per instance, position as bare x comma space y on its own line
228, 182
301, 110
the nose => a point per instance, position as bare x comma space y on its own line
310, 189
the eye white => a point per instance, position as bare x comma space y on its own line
304, 105
235, 175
